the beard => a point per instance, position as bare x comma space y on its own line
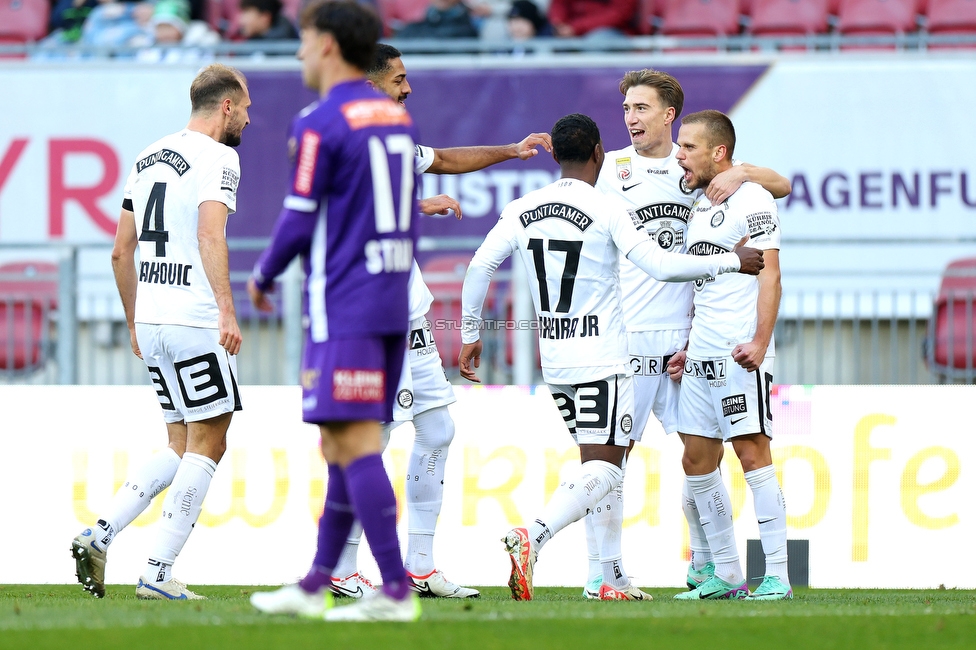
231, 139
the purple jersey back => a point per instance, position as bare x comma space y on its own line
350, 213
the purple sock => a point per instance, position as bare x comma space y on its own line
334, 526
372, 497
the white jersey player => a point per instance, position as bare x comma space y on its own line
728, 371
567, 235
647, 178
424, 392
182, 322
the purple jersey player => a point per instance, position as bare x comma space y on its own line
350, 214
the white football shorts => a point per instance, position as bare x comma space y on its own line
423, 382
194, 378
598, 412
654, 392
720, 399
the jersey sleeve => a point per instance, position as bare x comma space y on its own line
423, 158
762, 219
498, 245
311, 167
220, 181
130, 181
625, 226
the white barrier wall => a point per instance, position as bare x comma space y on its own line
874, 479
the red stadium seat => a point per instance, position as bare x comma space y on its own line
876, 18
23, 21
951, 17
700, 18
397, 13
28, 294
789, 18
951, 344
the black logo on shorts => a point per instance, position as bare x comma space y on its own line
626, 423
417, 339
405, 399
733, 404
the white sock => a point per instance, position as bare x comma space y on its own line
141, 487
425, 486
700, 554
349, 558
573, 499
593, 568
771, 514
608, 523
180, 511
715, 510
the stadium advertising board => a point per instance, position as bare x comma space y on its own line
873, 478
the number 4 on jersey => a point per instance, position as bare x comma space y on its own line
154, 212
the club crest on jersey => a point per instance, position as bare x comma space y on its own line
405, 399
559, 211
624, 169
683, 186
718, 218
667, 238
626, 423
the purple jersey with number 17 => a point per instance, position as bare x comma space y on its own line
350, 213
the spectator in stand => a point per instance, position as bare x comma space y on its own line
171, 25
263, 20
525, 21
592, 18
444, 19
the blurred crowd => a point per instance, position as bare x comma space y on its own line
146, 23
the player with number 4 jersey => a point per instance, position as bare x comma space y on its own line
567, 235
182, 322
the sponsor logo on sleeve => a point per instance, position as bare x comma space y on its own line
229, 179
305, 173
761, 223
718, 218
733, 405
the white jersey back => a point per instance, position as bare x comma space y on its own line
568, 235
652, 188
166, 186
725, 307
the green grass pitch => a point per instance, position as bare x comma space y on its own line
63, 616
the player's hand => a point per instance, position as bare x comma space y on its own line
750, 259
440, 204
749, 355
725, 184
230, 333
259, 298
134, 343
676, 365
527, 147
470, 352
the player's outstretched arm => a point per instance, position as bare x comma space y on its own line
440, 204
751, 355
460, 160
213, 252
726, 183
678, 267
124, 268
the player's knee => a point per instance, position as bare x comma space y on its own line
435, 428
